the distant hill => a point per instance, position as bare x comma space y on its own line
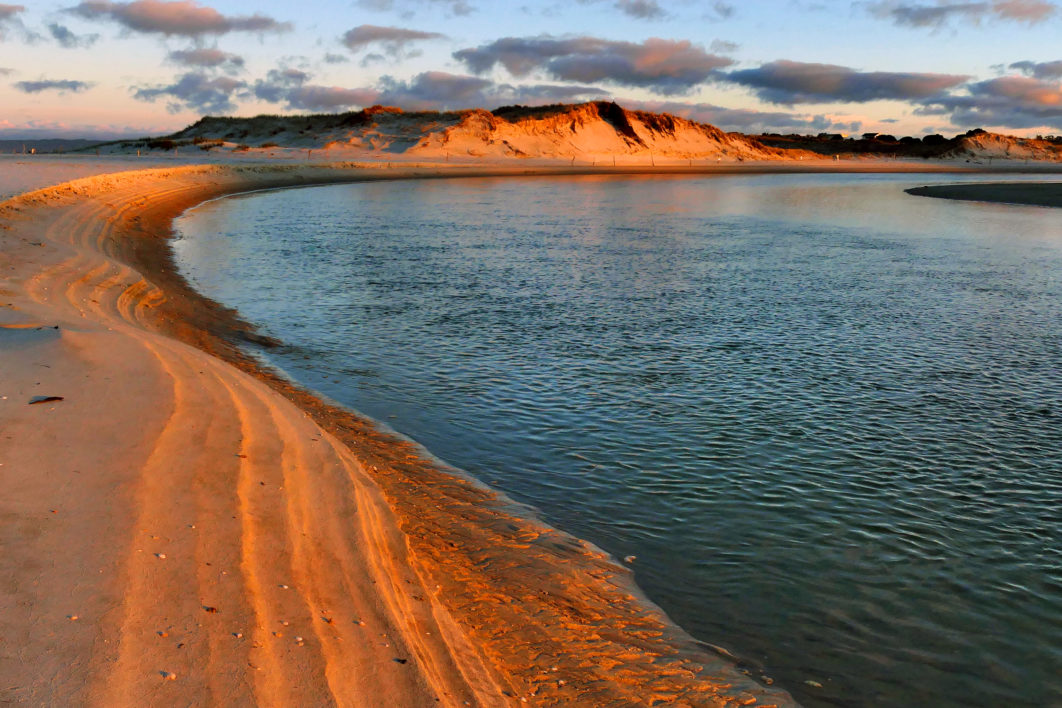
973, 145
45, 145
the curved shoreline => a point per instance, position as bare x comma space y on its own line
1048, 194
484, 606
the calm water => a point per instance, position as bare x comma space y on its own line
828, 422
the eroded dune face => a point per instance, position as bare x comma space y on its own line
592, 130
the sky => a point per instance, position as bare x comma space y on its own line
103, 68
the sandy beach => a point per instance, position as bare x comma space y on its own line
183, 527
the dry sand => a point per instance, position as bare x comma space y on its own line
1032, 193
186, 528
25, 173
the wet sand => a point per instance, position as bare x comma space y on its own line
1031, 193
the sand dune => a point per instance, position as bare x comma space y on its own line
596, 133
183, 528
984, 146
592, 131
587, 133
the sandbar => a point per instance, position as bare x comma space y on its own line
1047, 194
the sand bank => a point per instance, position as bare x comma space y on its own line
183, 527
25, 173
1031, 193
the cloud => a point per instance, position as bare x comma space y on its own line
372, 58
60, 85
185, 18
66, 38
1041, 70
329, 98
543, 94
721, 10
331, 58
432, 90
435, 89
7, 12
641, 9
39, 130
277, 82
746, 120
292, 87
789, 82
457, 7
392, 40
942, 13
638, 9
196, 91
1007, 101
207, 58
4, 71
9, 18
439, 90
662, 65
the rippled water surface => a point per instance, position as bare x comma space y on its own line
824, 415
